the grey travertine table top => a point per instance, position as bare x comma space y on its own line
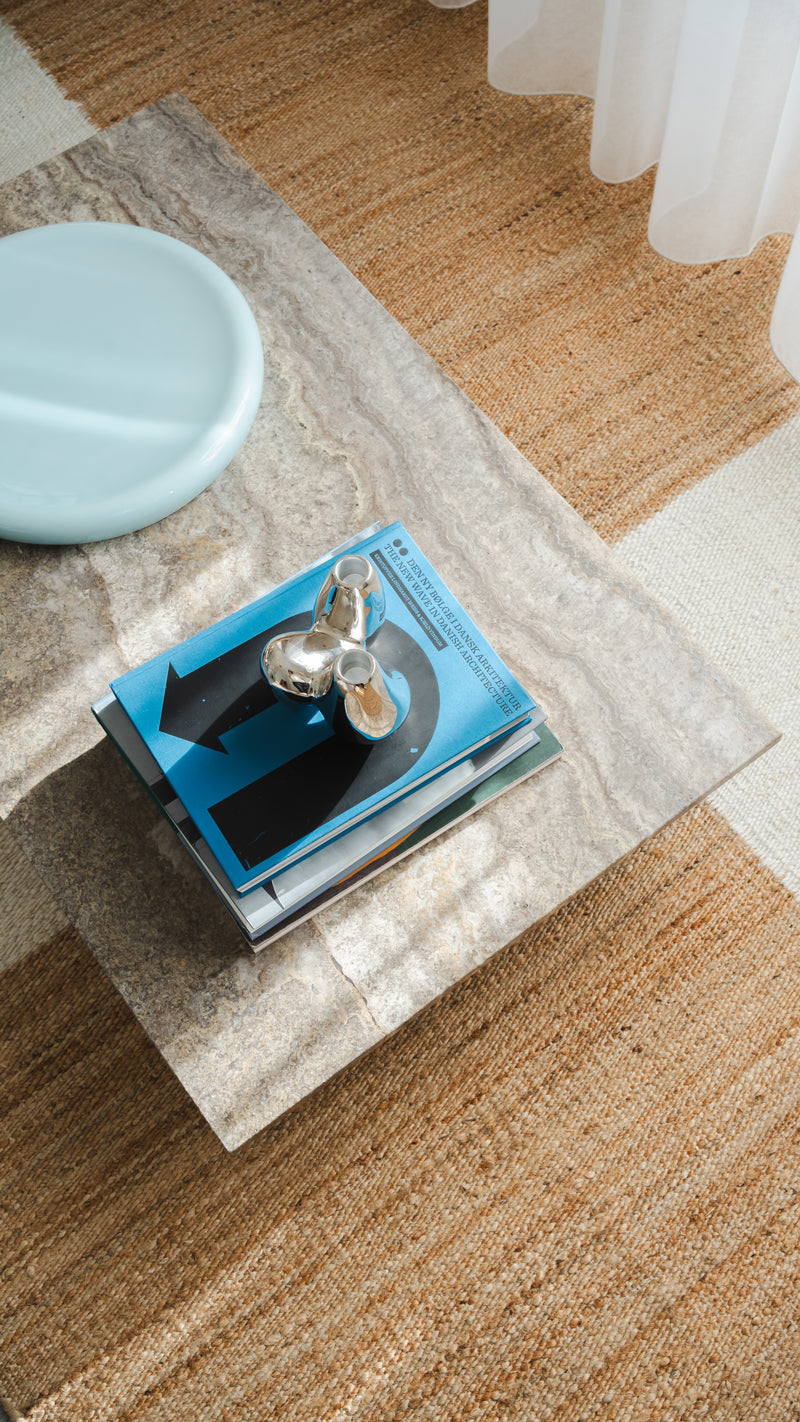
356, 423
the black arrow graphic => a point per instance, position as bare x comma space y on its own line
223, 693
292, 800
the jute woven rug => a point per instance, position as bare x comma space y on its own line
570, 1189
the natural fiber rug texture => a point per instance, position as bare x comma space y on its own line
570, 1189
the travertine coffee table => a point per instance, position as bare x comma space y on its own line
356, 424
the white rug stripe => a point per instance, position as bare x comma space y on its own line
725, 557
36, 121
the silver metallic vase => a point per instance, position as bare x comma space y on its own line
360, 706
329, 663
350, 601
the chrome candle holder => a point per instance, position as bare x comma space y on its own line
330, 664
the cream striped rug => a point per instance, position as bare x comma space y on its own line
570, 1190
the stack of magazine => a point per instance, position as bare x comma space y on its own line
280, 814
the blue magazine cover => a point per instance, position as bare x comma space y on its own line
266, 782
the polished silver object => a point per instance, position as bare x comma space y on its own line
329, 663
359, 705
350, 601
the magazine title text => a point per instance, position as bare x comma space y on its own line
459, 636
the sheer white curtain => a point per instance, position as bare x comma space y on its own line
707, 89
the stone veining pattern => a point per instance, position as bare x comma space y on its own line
356, 423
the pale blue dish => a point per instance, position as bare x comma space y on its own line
130, 373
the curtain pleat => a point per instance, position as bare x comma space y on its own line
709, 90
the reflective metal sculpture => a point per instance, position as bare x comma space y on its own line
329, 664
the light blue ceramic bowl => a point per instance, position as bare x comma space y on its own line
130, 373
